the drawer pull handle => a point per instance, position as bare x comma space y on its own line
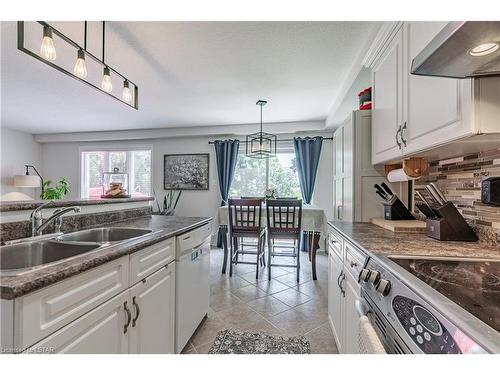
129, 317
137, 311
186, 238
353, 264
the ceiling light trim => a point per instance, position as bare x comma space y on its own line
21, 47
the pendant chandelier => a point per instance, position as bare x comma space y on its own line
130, 91
261, 145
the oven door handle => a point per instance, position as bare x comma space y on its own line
362, 307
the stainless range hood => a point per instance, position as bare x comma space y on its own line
461, 50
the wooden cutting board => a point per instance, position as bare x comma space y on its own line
401, 226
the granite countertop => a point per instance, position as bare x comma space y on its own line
13, 286
376, 240
30, 205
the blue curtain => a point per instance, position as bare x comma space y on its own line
307, 154
226, 155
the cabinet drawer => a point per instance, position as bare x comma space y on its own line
146, 261
336, 243
43, 312
354, 260
193, 239
100, 331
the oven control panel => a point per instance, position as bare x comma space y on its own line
423, 327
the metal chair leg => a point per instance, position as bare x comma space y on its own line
269, 254
231, 257
298, 262
258, 258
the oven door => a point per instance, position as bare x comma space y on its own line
368, 338
375, 331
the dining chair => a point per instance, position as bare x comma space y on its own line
245, 219
284, 222
253, 242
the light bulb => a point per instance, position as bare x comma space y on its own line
484, 49
47, 49
106, 84
80, 66
127, 94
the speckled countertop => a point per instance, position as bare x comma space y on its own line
374, 239
163, 227
30, 205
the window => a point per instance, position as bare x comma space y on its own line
253, 176
137, 163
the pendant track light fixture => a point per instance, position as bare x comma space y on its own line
48, 55
261, 145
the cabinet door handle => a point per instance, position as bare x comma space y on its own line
397, 137
353, 264
339, 212
137, 311
342, 290
403, 130
129, 317
338, 279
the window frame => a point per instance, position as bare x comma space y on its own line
111, 148
281, 150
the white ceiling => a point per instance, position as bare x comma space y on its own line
188, 73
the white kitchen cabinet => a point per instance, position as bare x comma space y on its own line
335, 297
437, 110
387, 101
354, 175
153, 313
350, 315
99, 331
414, 114
343, 291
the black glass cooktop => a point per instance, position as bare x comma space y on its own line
472, 284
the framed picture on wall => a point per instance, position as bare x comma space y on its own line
186, 171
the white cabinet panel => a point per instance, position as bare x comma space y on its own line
49, 309
153, 313
387, 101
151, 259
435, 110
99, 331
335, 297
350, 317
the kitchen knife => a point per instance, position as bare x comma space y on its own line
434, 195
426, 210
386, 188
440, 193
383, 197
381, 191
423, 199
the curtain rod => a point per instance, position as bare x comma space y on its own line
279, 140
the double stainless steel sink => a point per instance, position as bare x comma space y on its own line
34, 253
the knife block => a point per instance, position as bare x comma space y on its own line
451, 226
396, 210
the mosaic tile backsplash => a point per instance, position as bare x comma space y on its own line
460, 180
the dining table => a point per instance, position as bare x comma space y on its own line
314, 227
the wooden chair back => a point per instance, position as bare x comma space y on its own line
284, 217
245, 216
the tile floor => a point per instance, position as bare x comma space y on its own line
278, 307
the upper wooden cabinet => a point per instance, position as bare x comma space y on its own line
412, 114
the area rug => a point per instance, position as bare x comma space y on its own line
232, 341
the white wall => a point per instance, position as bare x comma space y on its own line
350, 101
62, 160
18, 149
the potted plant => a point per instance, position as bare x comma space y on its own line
170, 201
57, 192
